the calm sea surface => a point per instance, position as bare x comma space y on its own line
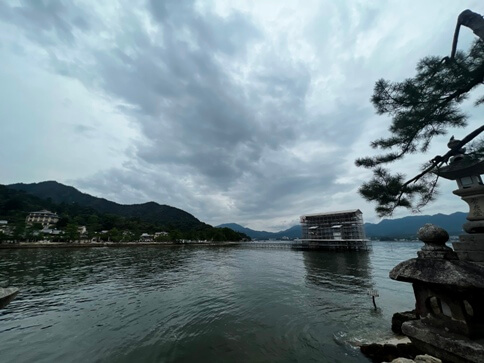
198, 304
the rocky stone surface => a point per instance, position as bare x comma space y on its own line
470, 247
388, 352
474, 227
426, 359
403, 360
456, 274
399, 318
434, 238
418, 359
473, 242
451, 347
433, 234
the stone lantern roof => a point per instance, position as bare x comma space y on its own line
462, 167
438, 264
446, 273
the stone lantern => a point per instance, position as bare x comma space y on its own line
449, 296
467, 172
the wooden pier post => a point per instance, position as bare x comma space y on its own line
373, 294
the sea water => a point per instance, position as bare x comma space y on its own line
198, 304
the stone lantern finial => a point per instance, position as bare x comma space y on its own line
435, 238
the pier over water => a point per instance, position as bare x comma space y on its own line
351, 245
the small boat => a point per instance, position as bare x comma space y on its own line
7, 295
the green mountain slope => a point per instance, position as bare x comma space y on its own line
15, 204
150, 212
121, 221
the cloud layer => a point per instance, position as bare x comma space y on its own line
248, 111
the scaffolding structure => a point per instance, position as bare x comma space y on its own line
339, 230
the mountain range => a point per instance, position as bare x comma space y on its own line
408, 226
293, 232
150, 212
405, 227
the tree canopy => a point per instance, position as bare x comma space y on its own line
421, 108
15, 206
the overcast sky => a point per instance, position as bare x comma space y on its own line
246, 111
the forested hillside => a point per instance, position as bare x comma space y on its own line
78, 209
150, 212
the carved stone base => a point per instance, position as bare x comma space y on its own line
446, 346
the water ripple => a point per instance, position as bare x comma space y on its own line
196, 304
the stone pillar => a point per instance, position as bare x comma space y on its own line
471, 246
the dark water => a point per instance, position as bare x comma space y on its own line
198, 304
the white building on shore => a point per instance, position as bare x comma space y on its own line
44, 217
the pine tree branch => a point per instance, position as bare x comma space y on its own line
421, 108
437, 162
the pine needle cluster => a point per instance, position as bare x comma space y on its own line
421, 108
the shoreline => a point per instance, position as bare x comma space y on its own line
33, 245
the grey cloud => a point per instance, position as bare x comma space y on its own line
277, 185
83, 129
187, 102
134, 184
210, 32
46, 21
220, 107
191, 109
200, 121
270, 192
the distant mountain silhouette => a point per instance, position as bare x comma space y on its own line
14, 202
293, 232
155, 213
148, 212
405, 227
408, 226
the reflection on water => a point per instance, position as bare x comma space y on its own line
41, 271
196, 304
339, 270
